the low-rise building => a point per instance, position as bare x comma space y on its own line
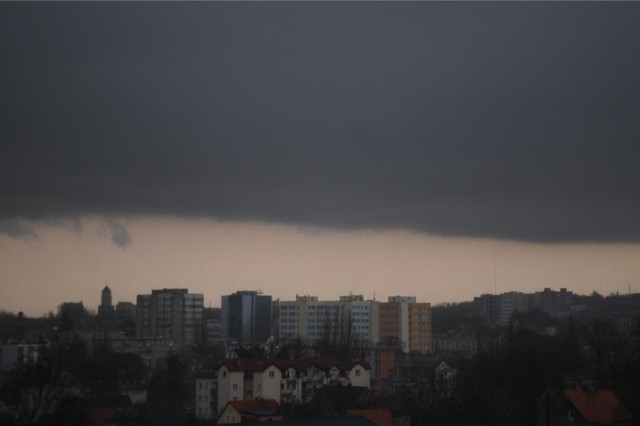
280, 380
467, 345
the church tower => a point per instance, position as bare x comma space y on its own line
106, 308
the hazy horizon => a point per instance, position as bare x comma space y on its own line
72, 264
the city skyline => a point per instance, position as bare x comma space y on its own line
327, 265
437, 149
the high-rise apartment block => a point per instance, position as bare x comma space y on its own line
497, 309
172, 314
404, 321
246, 317
351, 317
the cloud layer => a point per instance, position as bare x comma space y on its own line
514, 121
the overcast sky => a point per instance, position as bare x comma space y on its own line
507, 122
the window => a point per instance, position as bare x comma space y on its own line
224, 374
235, 386
358, 372
272, 373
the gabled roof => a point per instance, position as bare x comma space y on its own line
598, 406
204, 374
379, 416
325, 364
244, 364
254, 408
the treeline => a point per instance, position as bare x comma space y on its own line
504, 385
42, 392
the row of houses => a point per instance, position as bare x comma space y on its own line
285, 381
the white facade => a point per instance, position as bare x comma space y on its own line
359, 375
206, 397
312, 320
266, 384
230, 386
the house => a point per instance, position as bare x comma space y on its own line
257, 410
206, 395
582, 406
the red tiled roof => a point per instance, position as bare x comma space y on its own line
599, 406
379, 416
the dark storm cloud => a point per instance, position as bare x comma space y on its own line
119, 234
16, 229
506, 120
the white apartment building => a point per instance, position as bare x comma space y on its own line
312, 320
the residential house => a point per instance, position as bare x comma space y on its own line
257, 410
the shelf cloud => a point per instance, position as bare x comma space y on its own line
514, 121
